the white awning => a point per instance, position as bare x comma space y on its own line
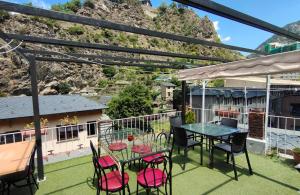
266, 65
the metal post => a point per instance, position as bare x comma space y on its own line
204, 82
36, 116
246, 100
191, 98
183, 108
268, 84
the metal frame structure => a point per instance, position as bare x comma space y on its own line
199, 4
114, 26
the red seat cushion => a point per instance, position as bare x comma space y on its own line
151, 158
117, 146
160, 177
106, 162
114, 181
141, 149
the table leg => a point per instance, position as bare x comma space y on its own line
210, 150
123, 179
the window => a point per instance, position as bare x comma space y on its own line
169, 94
91, 128
67, 132
295, 109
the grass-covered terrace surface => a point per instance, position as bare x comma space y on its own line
271, 176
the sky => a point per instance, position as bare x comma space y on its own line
277, 12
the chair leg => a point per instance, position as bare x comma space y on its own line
227, 157
128, 189
178, 149
248, 162
147, 191
212, 157
201, 154
35, 182
29, 185
137, 188
185, 157
233, 166
8, 188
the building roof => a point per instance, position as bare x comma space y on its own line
21, 106
166, 84
227, 93
105, 99
263, 80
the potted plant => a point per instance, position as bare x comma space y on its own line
190, 117
29, 128
296, 154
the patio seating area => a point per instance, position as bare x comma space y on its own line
272, 176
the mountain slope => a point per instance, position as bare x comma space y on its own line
14, 78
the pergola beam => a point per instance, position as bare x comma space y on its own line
114, 26
59, 42
108, 57
70, 60
226, 12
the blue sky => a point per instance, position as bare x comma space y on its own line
278, 12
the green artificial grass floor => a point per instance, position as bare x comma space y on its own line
271, 176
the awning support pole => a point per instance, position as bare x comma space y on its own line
183, 107
191, 99
268, 83
36, 116
204, 82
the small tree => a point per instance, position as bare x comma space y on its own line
134, 100
89, 3
109, 71
63, 88
4, 15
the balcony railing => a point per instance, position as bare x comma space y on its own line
70, 138
282, 134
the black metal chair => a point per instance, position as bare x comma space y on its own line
105, 161
181, 140
151, 177
176, 121
235, 147
161, 140
26, 175
233, 123
109, 182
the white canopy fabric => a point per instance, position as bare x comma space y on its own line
266, 65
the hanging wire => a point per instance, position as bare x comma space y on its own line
96, 62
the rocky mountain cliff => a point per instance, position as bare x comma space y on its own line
55, 77
293, 27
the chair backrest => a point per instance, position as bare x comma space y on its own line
95, 154
180, 137
175, 121
99, 173
166, 171
229, 122
239, 142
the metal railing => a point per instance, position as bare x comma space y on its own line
69, 138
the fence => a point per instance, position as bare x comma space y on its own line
69, 138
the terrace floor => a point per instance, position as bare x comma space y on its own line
271, 176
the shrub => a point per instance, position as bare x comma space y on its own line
190, 117
102, 83
75, 30
2, 94
89, 3
109, 71
4, 15
63, 88
163, 8
73, 5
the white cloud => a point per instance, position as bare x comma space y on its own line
41, 4
225, 39
216, 25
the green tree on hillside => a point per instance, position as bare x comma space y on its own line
109, 71
134, 100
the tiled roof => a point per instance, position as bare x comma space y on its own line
21, 106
